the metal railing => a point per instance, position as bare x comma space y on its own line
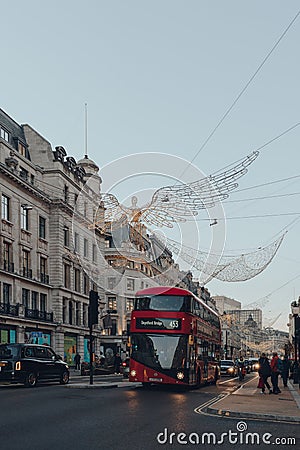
8, 309
38, 315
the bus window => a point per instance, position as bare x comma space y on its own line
163, 303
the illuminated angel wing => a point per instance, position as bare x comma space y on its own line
112, 216
227, 268
174, 203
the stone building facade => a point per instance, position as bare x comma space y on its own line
52, 255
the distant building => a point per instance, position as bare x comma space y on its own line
246, 317
224, 304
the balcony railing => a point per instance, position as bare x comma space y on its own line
44, 278
27, 272
10, 310
8, 266
38, 315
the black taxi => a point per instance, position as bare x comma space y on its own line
30, 363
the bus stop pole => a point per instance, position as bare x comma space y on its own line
91, 355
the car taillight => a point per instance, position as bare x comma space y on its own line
124, 364
18, 365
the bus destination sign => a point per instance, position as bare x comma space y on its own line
158, 324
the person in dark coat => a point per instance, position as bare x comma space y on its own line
117, 363
264, 372
285, 370
77, 359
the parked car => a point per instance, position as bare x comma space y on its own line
30, 363
228, 367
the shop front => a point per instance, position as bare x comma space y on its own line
70, 348
41, 337
7, 334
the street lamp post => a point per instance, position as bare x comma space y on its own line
295, 312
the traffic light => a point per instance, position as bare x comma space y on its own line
93, 308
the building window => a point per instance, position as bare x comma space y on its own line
76, 242
43, 269
24, 174
77, 280
4, 134
66, 193
64, 310
34, 300
85, 248
130, 284
43, 302
111, 282
26, 263
42, 227
67, 276
6, 293
71, 312
5, 213
22, 149
25, 297
85, 315
66, 237
75, 201
7, 265
85, 284
85, 208
77, 313
112, 303
113, 331
24, 218
130, 264
94, 253
129, 304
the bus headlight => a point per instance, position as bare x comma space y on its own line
180, 375
133, 373
18, 365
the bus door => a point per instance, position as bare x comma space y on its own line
192, 365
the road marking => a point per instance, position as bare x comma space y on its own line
198, 409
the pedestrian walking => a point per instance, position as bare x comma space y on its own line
275, 373
264, 372
77, 359
285, 370
241, 368
117, 363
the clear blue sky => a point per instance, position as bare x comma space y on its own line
157, 77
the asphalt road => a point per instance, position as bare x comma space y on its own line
58, 418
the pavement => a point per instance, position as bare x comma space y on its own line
248, 402
83, 382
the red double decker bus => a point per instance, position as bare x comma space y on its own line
175, 338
